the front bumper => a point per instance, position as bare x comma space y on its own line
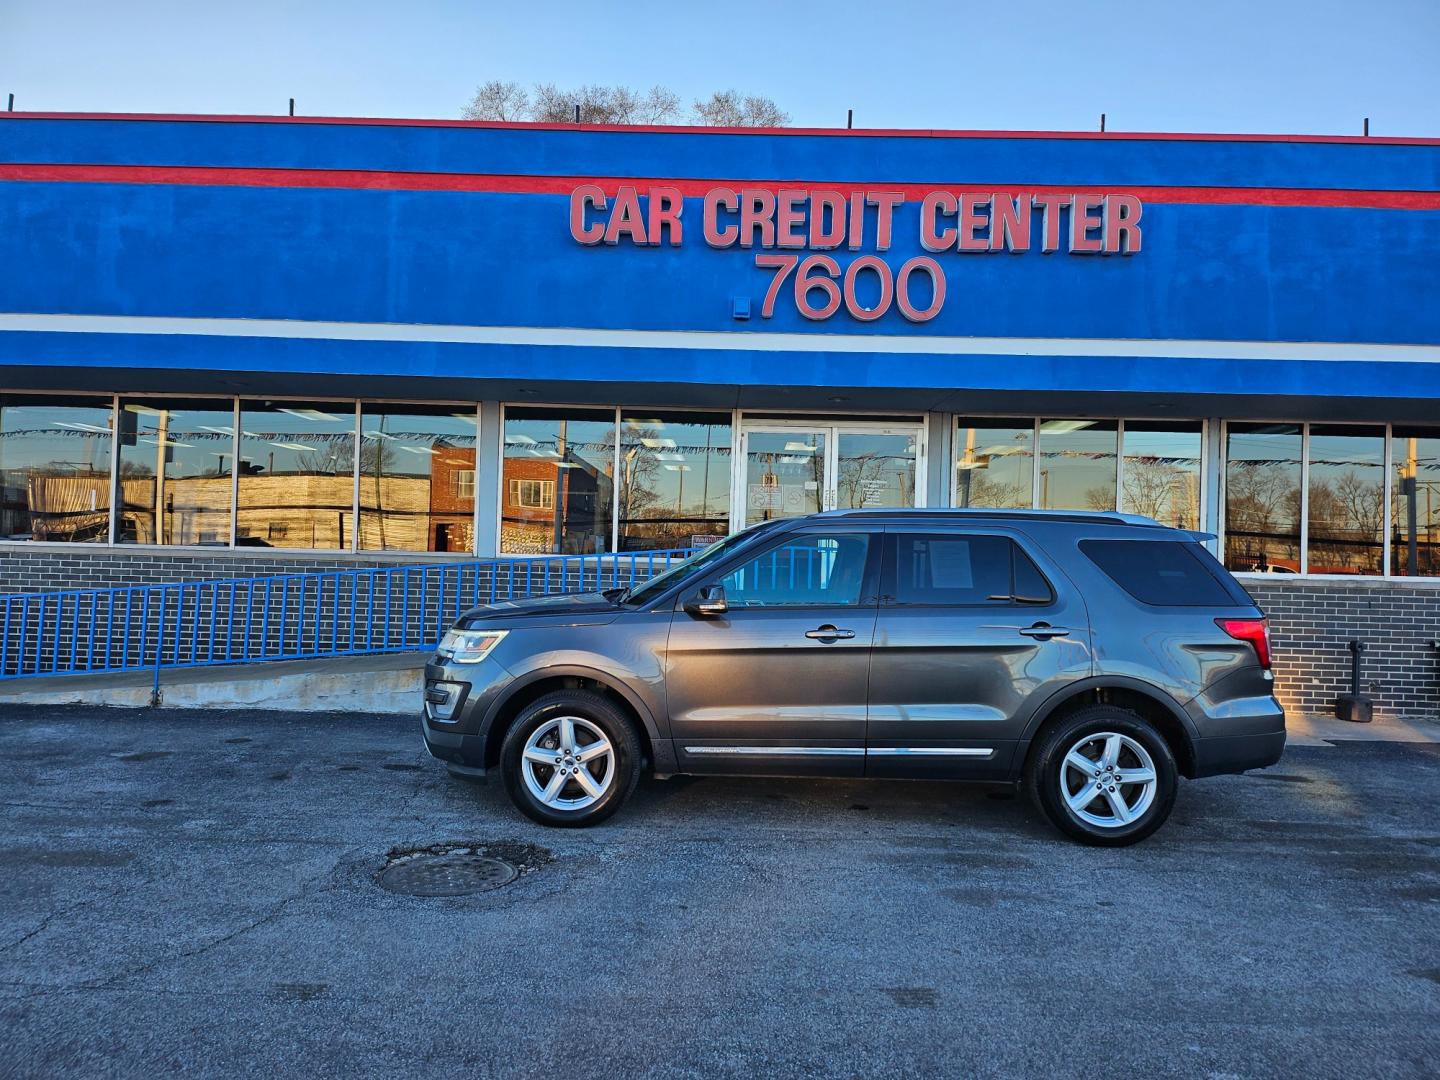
457, 700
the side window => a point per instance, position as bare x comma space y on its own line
1163, 573
804, 572
956, 570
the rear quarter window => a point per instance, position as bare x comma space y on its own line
1163, 573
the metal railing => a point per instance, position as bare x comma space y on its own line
296, 616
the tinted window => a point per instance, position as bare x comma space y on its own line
807, 571
1161, 572
958, 570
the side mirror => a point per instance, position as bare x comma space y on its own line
708, 602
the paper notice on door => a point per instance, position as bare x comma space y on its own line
872, 492
797, 499
764, 497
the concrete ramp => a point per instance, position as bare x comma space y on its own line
389, 684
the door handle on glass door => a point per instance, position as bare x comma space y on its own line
829, 633
1044, 631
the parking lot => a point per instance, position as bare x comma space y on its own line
197, 892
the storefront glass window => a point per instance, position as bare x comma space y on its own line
1161, 474
558, 488
1077, 464
173, 485
1347, 500
1415, 502
55, 469
417, 477
1262, 498
995, 463
674, 479
297, 479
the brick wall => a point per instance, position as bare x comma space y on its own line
1312, 623
82, 567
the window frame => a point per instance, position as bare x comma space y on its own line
1386, 493
1207, 435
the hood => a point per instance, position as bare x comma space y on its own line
558, 609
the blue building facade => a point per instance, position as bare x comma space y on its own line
372, 340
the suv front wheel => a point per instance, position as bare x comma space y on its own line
1104, 776
571, 758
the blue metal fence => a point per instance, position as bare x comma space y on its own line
283, 616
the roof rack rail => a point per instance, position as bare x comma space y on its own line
1097, 517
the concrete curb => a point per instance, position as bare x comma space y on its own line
387, 685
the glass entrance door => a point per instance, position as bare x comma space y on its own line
792, 469
785, 473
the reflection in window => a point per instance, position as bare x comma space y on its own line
674, 479
1077, 464
1347, 500
875, 469
417, 478
808, 571
1262, 498
1162, 471
297, 474
1415, 502
784, 474
573, 452
55, 469
995, 463
173, 485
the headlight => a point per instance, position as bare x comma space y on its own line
469, 646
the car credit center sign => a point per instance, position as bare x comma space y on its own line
793, 228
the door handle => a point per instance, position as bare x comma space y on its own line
1044, 631
829, 633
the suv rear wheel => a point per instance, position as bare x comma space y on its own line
1104, 776
571, 758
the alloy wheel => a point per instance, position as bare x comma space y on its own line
1108, 780
568, 763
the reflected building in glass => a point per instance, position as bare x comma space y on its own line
55, 468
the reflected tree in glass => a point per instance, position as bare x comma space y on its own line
1415, 502
994, 463
1262, 498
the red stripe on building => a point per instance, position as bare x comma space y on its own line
362, 180
683, 129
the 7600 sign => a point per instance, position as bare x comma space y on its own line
820, 275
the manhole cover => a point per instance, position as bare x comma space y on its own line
455, 874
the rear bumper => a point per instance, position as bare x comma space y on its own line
1237, 753
1237, 733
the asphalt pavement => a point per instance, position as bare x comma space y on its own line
193, 893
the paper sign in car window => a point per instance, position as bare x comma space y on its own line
950, 564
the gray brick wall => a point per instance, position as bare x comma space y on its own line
1312, 621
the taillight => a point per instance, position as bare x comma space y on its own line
1255, 631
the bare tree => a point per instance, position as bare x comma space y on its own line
728, 108
496, 100
596, 104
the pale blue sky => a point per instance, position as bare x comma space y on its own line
1303, 66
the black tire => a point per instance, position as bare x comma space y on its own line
1043, 776
595, 710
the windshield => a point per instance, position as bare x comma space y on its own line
660, 582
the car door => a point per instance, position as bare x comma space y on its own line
777, 682
972, 624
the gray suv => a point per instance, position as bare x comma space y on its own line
1092, 658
